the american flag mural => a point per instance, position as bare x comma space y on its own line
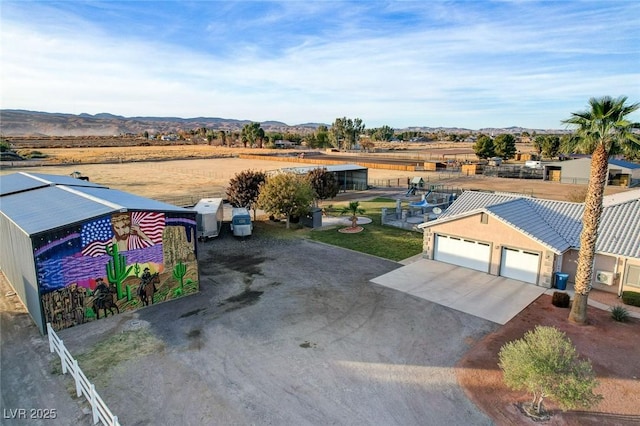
95, 235
152, 224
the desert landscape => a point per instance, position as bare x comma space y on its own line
176, 173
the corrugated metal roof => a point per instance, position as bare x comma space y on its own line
40, 208
556, 224
473, 200
329, 167
625, 164
130, 201
520, 215
621, 197
619, 231
47, 208
18, 182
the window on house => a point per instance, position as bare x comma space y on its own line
633, 276
484, 218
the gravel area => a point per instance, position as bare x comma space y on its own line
282, 332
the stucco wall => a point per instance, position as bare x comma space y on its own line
624, 270
498, 234
602, 263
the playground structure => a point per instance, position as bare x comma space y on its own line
408, 214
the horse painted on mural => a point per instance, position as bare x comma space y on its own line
105, 301
148, 289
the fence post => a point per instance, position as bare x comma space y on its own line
76, 376
50, 335
94, 403
61, 354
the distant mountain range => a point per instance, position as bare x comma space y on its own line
15, 122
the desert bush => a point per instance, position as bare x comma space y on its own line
545, 363
560, 299
631, 298
37, 154
619, 313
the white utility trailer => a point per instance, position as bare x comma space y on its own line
209, 218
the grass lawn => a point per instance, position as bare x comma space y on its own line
383, 241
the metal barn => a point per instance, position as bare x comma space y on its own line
350, 176
75, 251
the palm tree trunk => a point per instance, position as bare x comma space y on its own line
590, 221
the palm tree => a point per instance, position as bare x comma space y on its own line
602, 131
354, 209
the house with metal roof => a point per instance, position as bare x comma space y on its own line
75, 251
531, 239
621, 173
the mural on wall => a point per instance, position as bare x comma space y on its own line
114, 264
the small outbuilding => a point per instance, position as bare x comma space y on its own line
621, 173
75, 251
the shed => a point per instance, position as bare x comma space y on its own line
417, 182
621, 173
70, 246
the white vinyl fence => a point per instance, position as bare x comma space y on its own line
83, 386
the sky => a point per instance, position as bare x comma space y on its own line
470, 64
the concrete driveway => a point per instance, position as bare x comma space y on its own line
283, 332
493, 298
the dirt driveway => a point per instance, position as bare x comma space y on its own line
282, 332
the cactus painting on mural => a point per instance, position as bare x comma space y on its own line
179, 272
136, 269
117, 269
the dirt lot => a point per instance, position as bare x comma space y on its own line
198, 177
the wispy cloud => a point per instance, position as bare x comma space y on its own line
469, 64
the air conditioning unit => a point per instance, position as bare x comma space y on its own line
604, 277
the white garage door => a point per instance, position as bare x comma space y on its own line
520, 265
467, 253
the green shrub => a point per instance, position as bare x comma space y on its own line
545, 363
560, 299
619, 313
631, 298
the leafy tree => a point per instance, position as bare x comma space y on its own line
244, 188
344, 132
551, 146
322, 136
251, 133
324, 184
602, 130
538, 141
504, 146
286, 194
384, 133
545, 363
484, 147
4, 145
222, 135
354, 210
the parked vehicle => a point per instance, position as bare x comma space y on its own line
241, 224
209, 218
530, 164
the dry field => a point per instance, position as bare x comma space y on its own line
197, 171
